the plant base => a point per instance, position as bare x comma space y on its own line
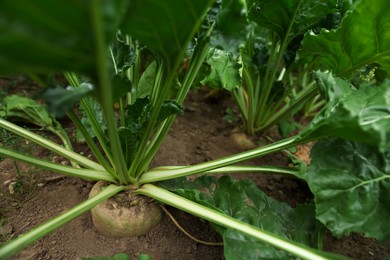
124, 215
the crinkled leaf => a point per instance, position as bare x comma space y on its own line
354, 114
137, 118
362, 38
27, 109
120, 86
224, 71
165, 26
61, 100
96, 109
351, 185
244, 201
44, 36
130, 141
289, 18
123, 54
169, 108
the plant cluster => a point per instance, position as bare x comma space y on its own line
129, 55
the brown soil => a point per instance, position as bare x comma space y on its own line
199, 135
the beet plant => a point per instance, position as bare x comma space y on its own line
99, 46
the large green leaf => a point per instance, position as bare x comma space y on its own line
351, 185
244, 201
45, 36
354, 114
362, 38
289, 18
165, 26
230, 25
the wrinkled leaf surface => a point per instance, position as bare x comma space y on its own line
351, 185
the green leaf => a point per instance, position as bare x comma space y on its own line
224, 71
137, 118
230, 25
362, 38
244, 201
122, 54
96, 109
165, 26
60, 100
351, 185
115, 257
289, 18
120, 86
44, 36
146, 81
354, 114
144, 257
27, 109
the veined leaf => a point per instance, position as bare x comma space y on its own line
165, 26
362, 38
45, 36
354, 114
230, 25
27, 109
351, 185
224, 71
289, 18
244, 201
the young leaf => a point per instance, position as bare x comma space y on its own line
120, 86
122, 54
96, 110
354, 114
362, 38
224, 71
137, 118
289, 18
146, 81
350, 182
244, 201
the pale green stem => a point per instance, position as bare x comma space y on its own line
306, 94
227, 221
58, 149
60, 132
91, 144
85, 105
14, 246
150, 176
67, 170
104, 90
236, 169
200, 53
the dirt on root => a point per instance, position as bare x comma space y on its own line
199, 135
